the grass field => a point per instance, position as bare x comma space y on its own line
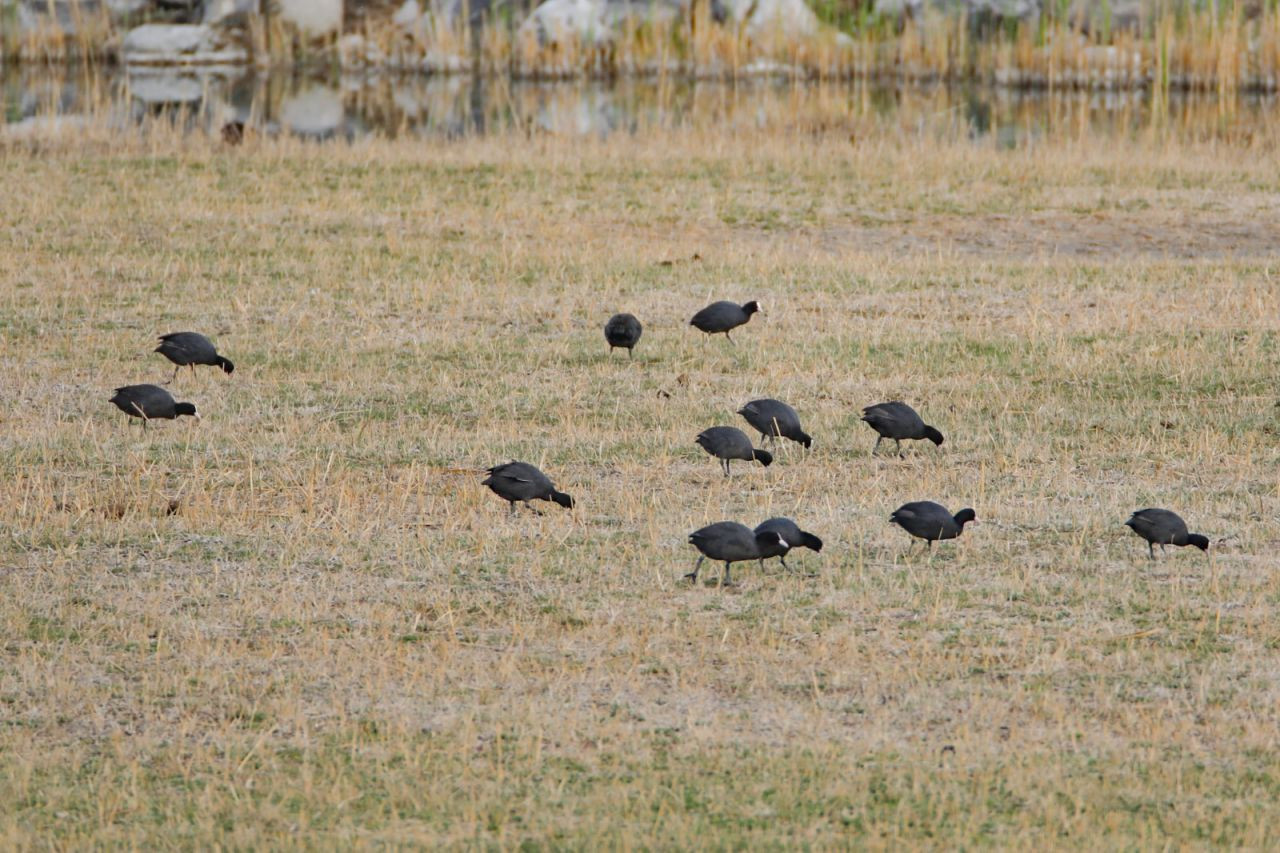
303, 622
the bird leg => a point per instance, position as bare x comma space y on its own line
729, 339
512, 507
726, 466
879, 439
724, 578
782, 559
1151, 550
693, 575
898, 442
174, 377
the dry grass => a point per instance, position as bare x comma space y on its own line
303, 622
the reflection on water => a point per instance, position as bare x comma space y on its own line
349, 107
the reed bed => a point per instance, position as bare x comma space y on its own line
303, 622
1224, 49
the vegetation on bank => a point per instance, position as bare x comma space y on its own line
1223, 47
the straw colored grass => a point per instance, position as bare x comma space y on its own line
304, 622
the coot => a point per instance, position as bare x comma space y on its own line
723, 317
931, 521
520, 481
730, 542
623, 330
898, 421
775, 418
727, 443
150, 402
1163, 527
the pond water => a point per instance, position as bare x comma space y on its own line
348, 107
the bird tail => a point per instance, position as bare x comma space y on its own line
764, 457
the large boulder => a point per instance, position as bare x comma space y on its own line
791, 19
314, 18
180, 44
560, 21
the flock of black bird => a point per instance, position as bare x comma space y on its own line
725, 541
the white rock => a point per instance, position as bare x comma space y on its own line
179, 44
313, 17
568, 20
408, 15
219, 10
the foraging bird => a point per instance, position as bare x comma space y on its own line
520, 481
623, 330
930, 521
790, 536
187, 349
773, 418
898, 421
731, 542
233, 132
723, 317
1163, 527
150, 402
725, 443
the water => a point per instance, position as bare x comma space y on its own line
349, 107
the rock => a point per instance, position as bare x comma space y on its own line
408, 16
180, 44
313, 17
789, 20
979, 12
227, 11
560, 21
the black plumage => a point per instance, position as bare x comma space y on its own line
727, 443
900, 422
790, 536
730, 542
520, 481
773, 418
623, 330
931, 521
723, 317
1163, 527
187, 349
150, 402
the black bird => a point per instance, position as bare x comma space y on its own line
723, 317
791, 536
520, 481
898, 421
187, 349
150, 402
1163, 527
930, 521
623, 330
773, 418
731, 542
725, 443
